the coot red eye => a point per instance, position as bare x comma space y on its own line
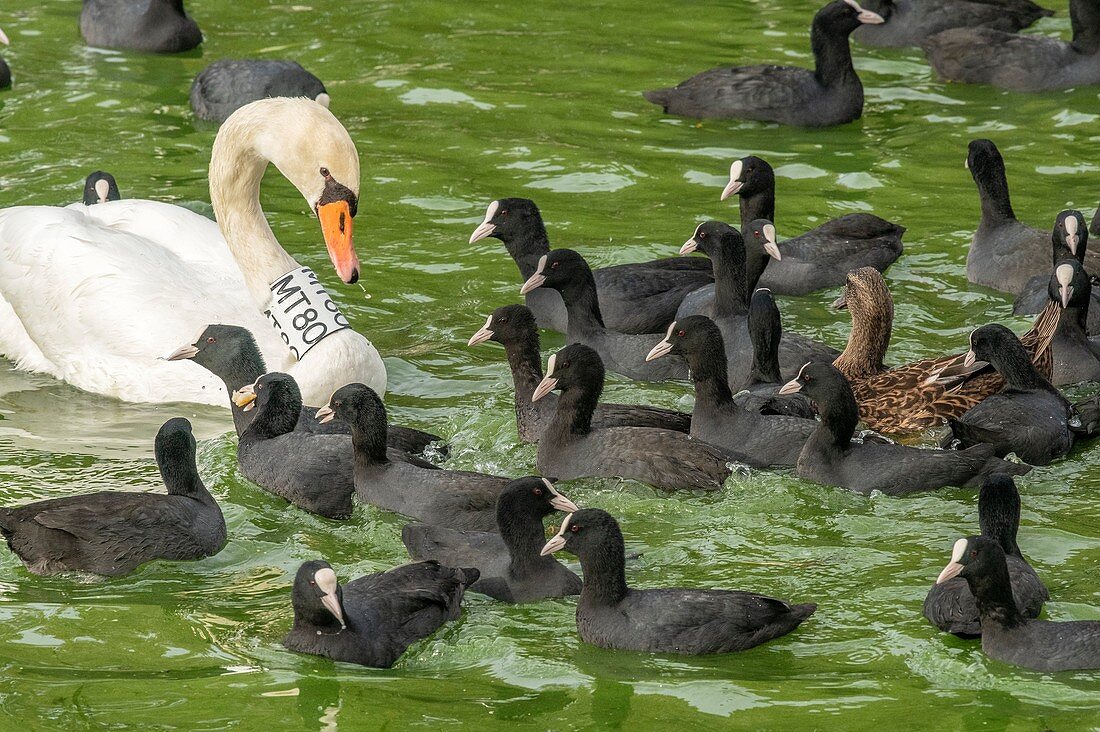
680, 333
702, 235
538, 491
574, 528
554, 265
325, 173
504, 212
211, 339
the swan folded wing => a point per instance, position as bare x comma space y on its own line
103, 305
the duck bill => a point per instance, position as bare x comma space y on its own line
325, 414
545, 387
791, 387
841, 303
689, 246
182, 353
336, 226
533, 282
482, 335
245, 398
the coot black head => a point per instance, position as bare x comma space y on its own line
844, 16
358, 405
999, 511
574, 367
557, 270
981, 561
716, 239
686, 336
507, 324
223, 350
530, 496
759, 236
1071, 234
586, 533
1069, 284
277, 401
827, 388
994, 343
100, 187
318, 598
174, 449
507, 218
749, 176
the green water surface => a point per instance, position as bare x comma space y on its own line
453, 104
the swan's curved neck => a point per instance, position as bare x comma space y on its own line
236, 169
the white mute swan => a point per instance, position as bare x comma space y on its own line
94, 295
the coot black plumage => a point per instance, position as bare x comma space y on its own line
1076, 356
5, 70
821, 257
634, 298
1017, 62
112, 533
829, 95
610, 614
1070, 239
372, 620
571, 448
950, 606
152, 26
230, 353
456, 498
725, 247
225, 86
763, 440
1028, 416
830, 457
1007, 635
908, 22
1004, 253
314, 472
100, 187
623, 353
760, 249
761, 392
511, 566
514, 327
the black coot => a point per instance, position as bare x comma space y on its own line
623, 353
455, 498
1007, 635
514, 327
152, 26
829, 95
1025, 63
1028, 416
1070, 239
831, 457
761, 391
5, 70
763, 440
511, 566
821, 257
949, 605
760, 249
634, 298
314, 472
687, 621
725, 247
570, 447
225, 86
372, 620
1076, 355
908, 22
100, 187
112, 533
230, 353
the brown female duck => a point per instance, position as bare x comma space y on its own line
925, 393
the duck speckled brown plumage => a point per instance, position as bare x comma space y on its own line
911, 397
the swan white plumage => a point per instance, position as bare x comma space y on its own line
94, 295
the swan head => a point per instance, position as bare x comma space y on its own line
315, 153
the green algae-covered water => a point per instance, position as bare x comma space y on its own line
453, 105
